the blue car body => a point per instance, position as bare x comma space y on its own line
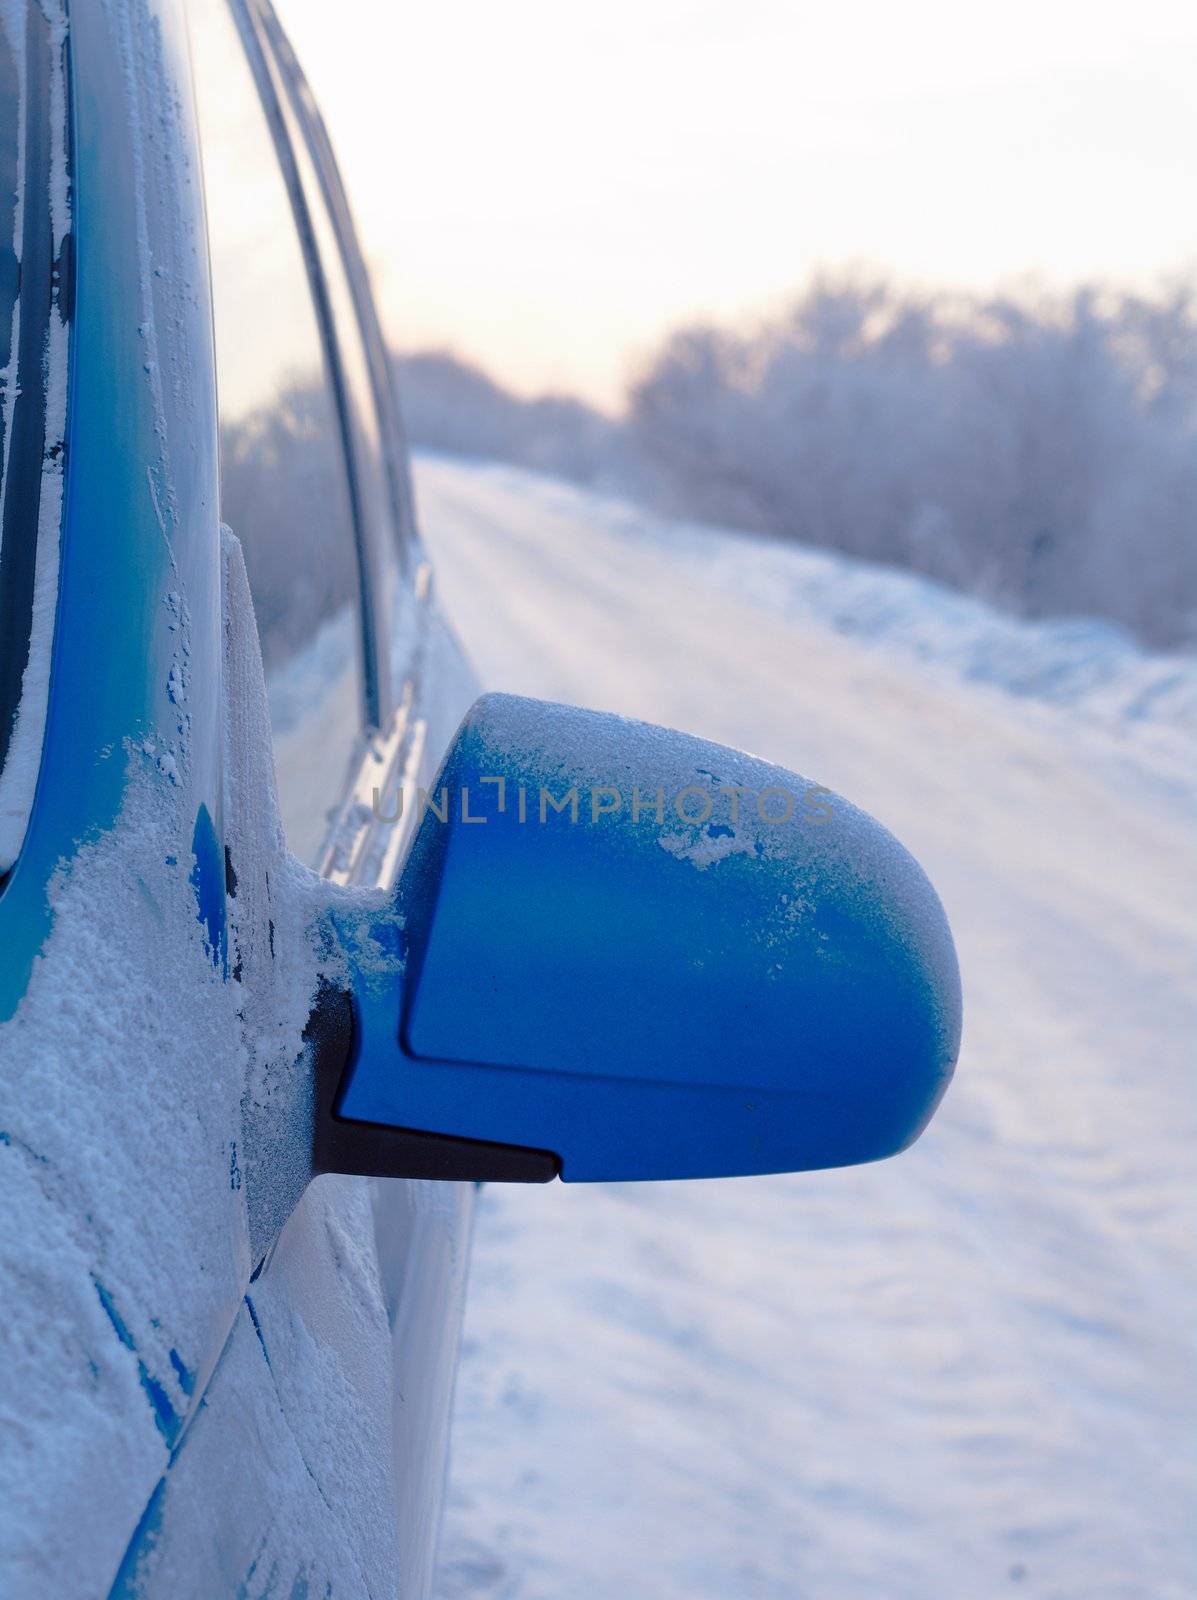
185, 1501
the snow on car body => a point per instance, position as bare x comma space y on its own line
172, 1425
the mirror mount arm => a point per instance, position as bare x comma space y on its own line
372, 1150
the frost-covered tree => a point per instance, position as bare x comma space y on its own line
1039, 450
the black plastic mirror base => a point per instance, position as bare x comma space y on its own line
371, 1150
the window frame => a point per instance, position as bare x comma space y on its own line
386, 402
377, 696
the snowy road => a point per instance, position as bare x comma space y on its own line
968, 1372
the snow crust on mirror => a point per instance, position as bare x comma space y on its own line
825, 847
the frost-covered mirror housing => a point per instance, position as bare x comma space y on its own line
647, 956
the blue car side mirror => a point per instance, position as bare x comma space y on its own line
628, 953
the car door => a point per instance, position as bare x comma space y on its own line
350, 1322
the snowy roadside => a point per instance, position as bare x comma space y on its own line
969, 1371
1090, 668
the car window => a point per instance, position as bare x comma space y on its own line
382, 491
285, 490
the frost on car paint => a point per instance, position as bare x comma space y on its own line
33, 389
137, 1211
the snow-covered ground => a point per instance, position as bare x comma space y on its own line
969, 1372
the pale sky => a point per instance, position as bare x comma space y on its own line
547, 186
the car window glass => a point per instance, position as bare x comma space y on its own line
380, 498
284, 489
364, 425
